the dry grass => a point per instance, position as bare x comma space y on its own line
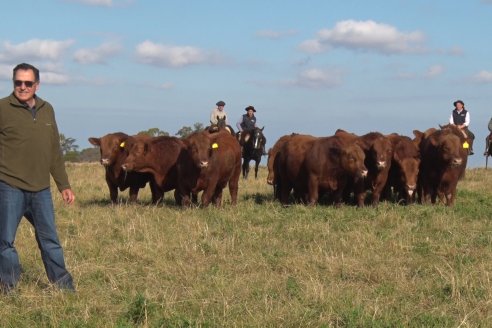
260, 264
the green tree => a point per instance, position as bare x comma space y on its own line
90, 155
67, 144
187, 130
154, 132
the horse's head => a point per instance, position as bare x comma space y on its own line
257, 137
221, 122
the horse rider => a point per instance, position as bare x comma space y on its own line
218, 112
248, 122
461, 118
487, 139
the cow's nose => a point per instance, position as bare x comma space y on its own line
270, 181
381, 164
125, 167
104, 161
364, 173
203, 163
457, 161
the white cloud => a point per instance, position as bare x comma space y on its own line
434, 70
368, 36
53, 78
171, 56
313, 46
99, 3
35, 49
483, 77
98, 55
270, 34
317, 78
6, 72
166, 85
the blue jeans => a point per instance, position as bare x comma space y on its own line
37, 207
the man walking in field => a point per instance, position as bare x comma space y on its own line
30, 153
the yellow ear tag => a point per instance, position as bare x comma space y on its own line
215, 145
122, 145
466, 145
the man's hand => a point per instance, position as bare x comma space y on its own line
68, 196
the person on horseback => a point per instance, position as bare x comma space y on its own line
248, 122
487, 139
461, 118
218, 112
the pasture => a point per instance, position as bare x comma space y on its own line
259, 263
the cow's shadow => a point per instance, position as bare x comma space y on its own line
259, 198
105, 202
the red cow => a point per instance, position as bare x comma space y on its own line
290, 174
112, 156
214, 161
273, 163
403, 174
443, 162
158, 156
378, 152
330, 163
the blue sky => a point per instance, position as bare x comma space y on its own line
310, 67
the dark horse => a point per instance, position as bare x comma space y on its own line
253, 144
488, 150
221, 124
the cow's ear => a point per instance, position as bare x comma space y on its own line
262, 129
433, 140
95, 141
418, 137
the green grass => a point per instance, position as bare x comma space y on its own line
261, 264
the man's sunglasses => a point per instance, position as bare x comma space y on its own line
28, 84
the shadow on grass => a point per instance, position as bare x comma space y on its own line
105, 202
259, 198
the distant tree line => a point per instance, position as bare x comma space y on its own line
71, 151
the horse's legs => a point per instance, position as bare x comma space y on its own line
257, 163
245, 168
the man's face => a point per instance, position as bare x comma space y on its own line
459, 106
250, 112
221, 108
21, 90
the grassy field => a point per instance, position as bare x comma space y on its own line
260, 264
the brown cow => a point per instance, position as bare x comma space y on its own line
272, 163
215, 162
158, 156
330, 163
378, 152
112, 157
403, 174
443, 162
290, 174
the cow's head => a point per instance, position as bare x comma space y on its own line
352, 160
407, 156
381, 152
199, 147
136, 149
110, 147
448, 147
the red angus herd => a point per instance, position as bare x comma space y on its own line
343, 167
337, 169
204, 161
